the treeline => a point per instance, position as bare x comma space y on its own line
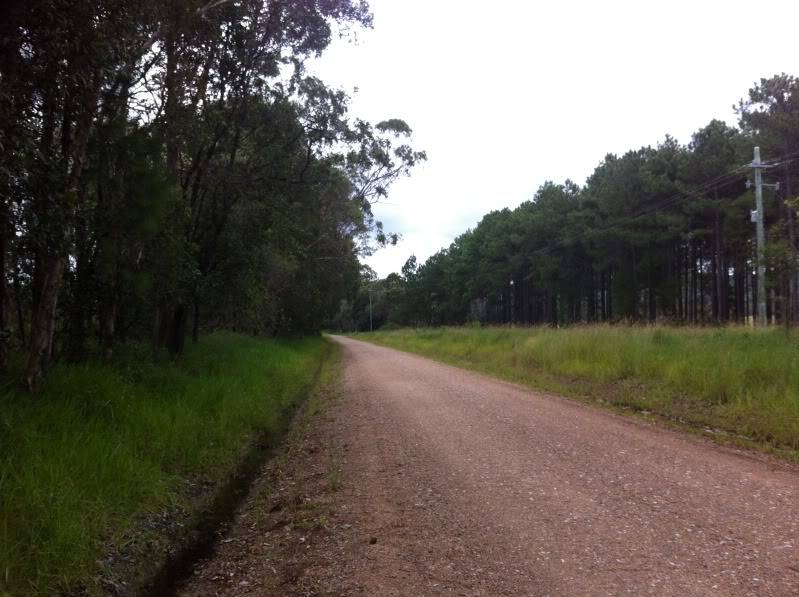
659, 233
168, 166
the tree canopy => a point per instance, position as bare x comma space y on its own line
659, 233
170, 166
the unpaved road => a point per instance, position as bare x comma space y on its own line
457, 484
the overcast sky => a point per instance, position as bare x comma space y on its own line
504, 95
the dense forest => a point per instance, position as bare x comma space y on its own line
660, 233
169, 166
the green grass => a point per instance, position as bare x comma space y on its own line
88, 465
740, 380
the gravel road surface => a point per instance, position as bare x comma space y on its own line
458, 484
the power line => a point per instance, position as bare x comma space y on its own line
678, 198
675, 199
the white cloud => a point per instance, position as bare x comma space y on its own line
507, 94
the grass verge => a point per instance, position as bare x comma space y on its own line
106, 465
735, 383
286, 523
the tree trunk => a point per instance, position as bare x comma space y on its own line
176, 335
720, 299
49, 275
76, 331
18, 302
603, 309
651, 302
108, 321
738, 283
634, 289
678, 272
793, 304
195, 324
690, 281
714, 289
701, 275
5, 334
171, 104
51, 261
609, 291
160, 323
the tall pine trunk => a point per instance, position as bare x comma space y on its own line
5, 334
108, 321
18, 303
195, 322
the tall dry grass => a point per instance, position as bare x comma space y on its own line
742, 380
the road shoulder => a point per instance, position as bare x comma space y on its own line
283, 528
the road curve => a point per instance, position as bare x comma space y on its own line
474, 486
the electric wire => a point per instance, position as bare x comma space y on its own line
673, 200
676, 199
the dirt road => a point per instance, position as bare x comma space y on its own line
457, 484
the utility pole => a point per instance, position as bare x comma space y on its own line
370, 309
761, 240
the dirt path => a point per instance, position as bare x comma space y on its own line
423, 479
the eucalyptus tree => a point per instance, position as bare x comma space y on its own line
172, 162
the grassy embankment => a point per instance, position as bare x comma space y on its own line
108, 457
741, 381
